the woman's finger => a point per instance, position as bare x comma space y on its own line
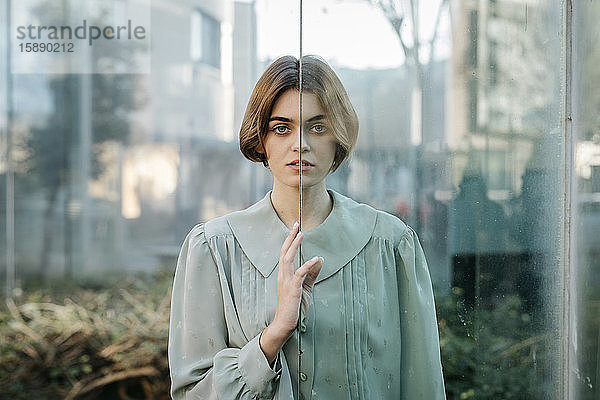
288, 240
312, 274
291, 252
307, 267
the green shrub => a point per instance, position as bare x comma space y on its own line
112, 343
104, 343
499, 353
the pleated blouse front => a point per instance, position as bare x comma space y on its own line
370, 331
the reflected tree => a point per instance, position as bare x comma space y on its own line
404, 18
478, 239
419, 52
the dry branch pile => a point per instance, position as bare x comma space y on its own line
89, 345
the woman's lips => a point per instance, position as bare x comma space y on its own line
295, 165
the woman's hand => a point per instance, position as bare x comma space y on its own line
294, 289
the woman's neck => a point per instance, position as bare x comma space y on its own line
316, 205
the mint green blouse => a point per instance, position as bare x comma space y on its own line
370, 331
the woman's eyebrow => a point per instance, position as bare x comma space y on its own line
283, 119
315, 118
311, 119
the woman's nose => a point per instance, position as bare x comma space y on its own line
300, 143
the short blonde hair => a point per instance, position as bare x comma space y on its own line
317, 78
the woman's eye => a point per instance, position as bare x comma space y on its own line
280, 129
319, 129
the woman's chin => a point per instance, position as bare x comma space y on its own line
307, 182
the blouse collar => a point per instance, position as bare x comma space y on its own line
342, 235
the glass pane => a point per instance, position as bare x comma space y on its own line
460, 137
113, 152
109, 168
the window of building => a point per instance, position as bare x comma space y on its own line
205, 39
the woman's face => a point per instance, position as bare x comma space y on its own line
282, 142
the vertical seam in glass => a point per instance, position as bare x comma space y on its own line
300, 149
300, 123
567, 391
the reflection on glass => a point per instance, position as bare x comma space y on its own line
460, 138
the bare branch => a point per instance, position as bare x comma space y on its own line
436, 29
396, 19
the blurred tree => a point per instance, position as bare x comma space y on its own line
51, 148
54, 149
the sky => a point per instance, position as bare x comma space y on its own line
350, 33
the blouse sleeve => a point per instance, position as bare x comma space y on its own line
420, 353
202, 365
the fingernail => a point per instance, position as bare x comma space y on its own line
295, 224
321, 259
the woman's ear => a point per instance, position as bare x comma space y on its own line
260, 148
338, 158
263, 156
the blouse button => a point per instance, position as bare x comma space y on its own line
303, 376
302, 328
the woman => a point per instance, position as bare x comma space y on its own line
368, 327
